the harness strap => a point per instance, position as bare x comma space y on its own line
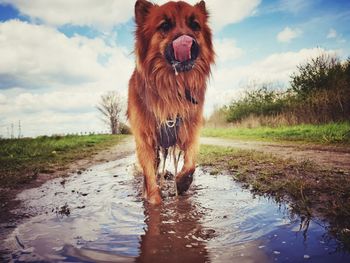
168, 131
167, 136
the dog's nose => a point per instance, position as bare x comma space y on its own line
182, 48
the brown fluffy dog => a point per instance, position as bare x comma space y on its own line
174, 52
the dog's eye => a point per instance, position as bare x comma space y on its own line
165, 26
194, 25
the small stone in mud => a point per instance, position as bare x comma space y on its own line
168, 175
11, 226
79, 172
64, 210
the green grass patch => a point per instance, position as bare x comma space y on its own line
21, 160
332, 133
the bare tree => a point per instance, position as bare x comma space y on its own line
111, 106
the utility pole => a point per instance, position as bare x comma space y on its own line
19, 129
12, 135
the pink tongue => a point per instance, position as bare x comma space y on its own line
182, 48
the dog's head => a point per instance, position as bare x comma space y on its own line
173, 38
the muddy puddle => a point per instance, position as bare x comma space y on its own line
99, 216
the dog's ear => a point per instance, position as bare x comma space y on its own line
142, 8
201, 6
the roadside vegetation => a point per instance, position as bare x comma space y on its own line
21, 160
318, 94
310, 189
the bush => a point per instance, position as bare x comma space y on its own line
321, 73
261, 101
124, 129
319, 93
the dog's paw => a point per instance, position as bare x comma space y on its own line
154, 197
183, 183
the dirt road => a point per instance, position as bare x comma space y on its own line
329, 156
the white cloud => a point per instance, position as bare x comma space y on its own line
293, 6
225, 12
60, 111
57, 76
3, 99
33, 55
96, 13
52, 122
279, 66
108, 13
226, 50
287, 34
332, 33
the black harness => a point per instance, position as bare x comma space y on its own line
168, 133
167, 136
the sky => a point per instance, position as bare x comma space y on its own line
58, 57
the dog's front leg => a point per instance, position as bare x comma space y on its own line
147, 156
185, 177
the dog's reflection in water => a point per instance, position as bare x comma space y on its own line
174, 233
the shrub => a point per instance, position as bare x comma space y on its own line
261, 101
324, 72
319, 93
124, 129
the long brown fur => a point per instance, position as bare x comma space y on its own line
157, 94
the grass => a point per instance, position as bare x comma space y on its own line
21, 160
333, 133
311, 191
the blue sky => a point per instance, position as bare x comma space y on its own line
59, 56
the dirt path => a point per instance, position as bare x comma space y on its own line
328, 156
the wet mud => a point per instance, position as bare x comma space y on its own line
99, 216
